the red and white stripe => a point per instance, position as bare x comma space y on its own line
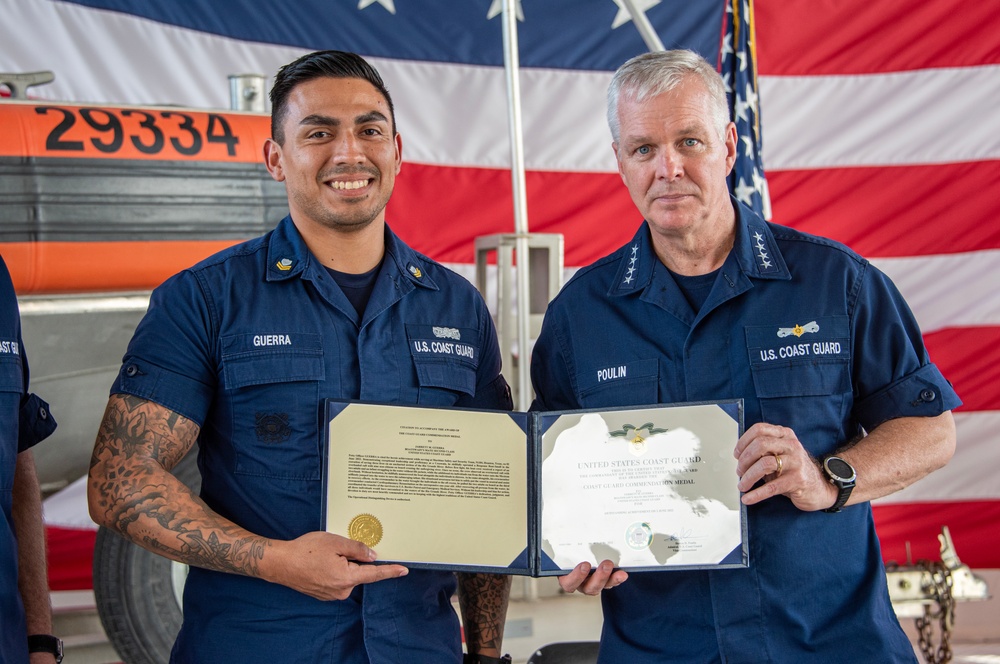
881, 130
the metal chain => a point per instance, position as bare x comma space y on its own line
945, 614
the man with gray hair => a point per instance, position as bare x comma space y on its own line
709, 302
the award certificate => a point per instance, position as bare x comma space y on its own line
649, 488
428, 485
642, 488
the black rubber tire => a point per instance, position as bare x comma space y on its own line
134, 591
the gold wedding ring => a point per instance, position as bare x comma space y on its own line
777, 473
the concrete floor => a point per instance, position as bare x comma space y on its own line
558, 617
540, 614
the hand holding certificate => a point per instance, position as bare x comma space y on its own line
537, 493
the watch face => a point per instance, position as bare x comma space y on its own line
839, 469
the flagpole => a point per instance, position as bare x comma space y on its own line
512, 70
644, 27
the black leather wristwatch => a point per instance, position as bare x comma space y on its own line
841, 474
46, 643
485, 659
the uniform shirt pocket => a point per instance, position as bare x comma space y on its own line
442, 382
11, 375
628, 383
258, 359
11, 390
271, 383
445, 360
801, 371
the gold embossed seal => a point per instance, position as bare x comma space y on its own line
366, 529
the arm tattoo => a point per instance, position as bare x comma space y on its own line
483, 599
138, 443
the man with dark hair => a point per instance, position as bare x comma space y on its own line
709, 302
236, 353
24, 589
333, 64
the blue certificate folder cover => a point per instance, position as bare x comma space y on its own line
571, 485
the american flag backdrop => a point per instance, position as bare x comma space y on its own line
880, 123
739, 69
883, 133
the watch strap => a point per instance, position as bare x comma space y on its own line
46, 643
842, 496
844, 488
485, 659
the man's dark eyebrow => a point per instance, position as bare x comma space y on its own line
371, 116
317, 119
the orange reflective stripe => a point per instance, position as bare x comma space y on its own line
77, 267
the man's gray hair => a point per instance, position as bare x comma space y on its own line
652, 74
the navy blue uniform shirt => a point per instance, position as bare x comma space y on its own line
246, 344
24, 421
811, 337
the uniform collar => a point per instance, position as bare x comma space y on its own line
755, 254
287, 253
755, 249
411, 265
635, 268
288, 256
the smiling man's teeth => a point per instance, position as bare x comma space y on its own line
357, 184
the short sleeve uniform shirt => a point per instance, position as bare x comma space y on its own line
810, 336
25, 421
246, 344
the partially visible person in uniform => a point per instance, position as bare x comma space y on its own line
235, 355
710, 302
25, 611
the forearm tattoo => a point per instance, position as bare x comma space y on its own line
137, 444
483, 600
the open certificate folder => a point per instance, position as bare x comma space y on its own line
649, 488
